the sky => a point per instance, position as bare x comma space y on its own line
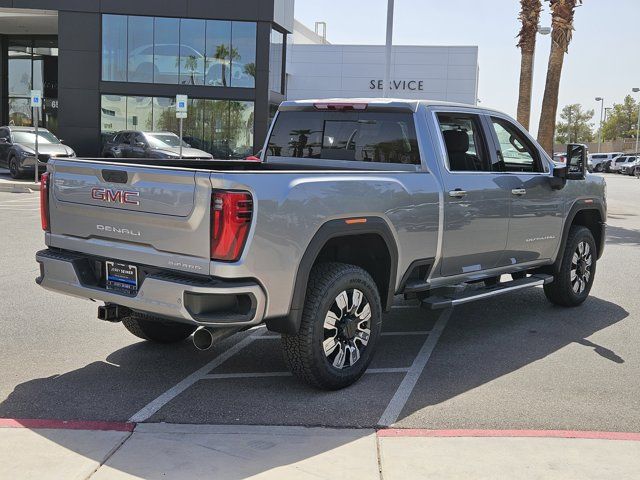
602, 59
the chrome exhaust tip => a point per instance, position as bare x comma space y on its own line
203, 339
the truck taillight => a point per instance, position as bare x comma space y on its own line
231, 214
44, 201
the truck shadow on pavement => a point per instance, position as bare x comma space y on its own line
482, 343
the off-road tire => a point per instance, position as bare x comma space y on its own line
156, 330
14, 169
561, 291
304, 353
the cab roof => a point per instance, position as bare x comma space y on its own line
361, 103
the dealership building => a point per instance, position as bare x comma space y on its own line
110, 65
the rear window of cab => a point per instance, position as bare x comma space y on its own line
351, 136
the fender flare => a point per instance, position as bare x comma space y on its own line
594, 204
290, 323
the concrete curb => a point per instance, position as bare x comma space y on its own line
19, 187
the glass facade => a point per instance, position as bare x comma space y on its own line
223, 128
32, 65
276, 55
185, 51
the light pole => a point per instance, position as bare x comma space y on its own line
636, 90
601, 100
389, 44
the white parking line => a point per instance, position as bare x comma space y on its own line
152, 407
399, 400
222, 376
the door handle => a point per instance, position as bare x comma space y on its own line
519, 191
457, 193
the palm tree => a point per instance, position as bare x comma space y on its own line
562, 14
224, 57
529, 17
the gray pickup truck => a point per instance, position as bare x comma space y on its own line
354, 202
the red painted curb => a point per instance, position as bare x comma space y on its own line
399, 432
66, 424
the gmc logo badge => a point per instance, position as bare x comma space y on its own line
126, 197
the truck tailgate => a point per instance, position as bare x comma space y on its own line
155, 216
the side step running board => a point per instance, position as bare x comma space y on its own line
437, 302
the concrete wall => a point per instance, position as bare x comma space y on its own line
418, 72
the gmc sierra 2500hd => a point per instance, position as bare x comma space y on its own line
354, 201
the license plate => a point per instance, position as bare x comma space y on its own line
121, 277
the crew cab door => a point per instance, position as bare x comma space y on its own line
476, 204
535, 223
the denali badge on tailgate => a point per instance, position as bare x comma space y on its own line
126, 197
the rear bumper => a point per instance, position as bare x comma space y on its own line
208, 302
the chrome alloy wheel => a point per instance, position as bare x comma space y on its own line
581, 267
347, 328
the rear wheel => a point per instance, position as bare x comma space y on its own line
156, 330
572, 284
340, 326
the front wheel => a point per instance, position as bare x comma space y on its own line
155, 329
14, 168
341, 323
573, 281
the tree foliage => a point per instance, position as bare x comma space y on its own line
622, 120
574, 126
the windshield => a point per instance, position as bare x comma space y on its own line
164, 140
30, 137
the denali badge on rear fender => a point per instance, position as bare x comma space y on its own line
126, 197
123, 231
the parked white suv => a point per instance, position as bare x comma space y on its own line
628, 167
616, 165
600, 161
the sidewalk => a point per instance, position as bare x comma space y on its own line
8, 184
80, 450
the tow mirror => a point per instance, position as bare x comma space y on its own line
576, 161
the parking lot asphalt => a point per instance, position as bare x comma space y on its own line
512, 362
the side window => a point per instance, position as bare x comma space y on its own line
139, 138
462, 135
126, 138
518, 154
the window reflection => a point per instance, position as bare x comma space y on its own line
164, 115
276, 55
221, 127
20, 112
186, 51
241, 129
139, 113
192, 51
113, 113
140, 44
218, 49
114, 48
243, 54
166, 52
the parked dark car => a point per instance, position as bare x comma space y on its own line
17, 149
134, 144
